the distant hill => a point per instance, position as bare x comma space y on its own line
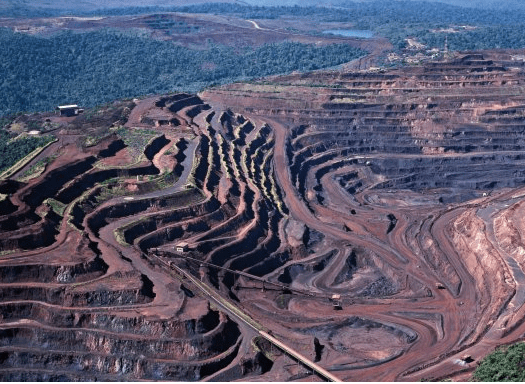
32, 8
92, 4
89, 5
486, 4
85, 5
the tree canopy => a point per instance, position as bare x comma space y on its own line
504, 364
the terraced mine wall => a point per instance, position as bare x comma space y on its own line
89, 180
37, 235
365, 152
370, 220
104, 216
75, 310
59, 273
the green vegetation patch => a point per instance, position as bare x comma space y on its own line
504, 364
6, 120
56, 205
111, 188
91, 140
136, 139
14, 149
170, 26
283, 300
37, 168
485, 37
166, 180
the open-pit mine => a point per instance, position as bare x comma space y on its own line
360, 226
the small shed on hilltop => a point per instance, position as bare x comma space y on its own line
68, 110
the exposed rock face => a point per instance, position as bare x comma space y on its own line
375, 217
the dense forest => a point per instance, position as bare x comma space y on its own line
481, 38
92, 68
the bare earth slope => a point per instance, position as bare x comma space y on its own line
401, 191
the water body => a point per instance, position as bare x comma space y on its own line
351, 33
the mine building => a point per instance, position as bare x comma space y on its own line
68, 110
181, 247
